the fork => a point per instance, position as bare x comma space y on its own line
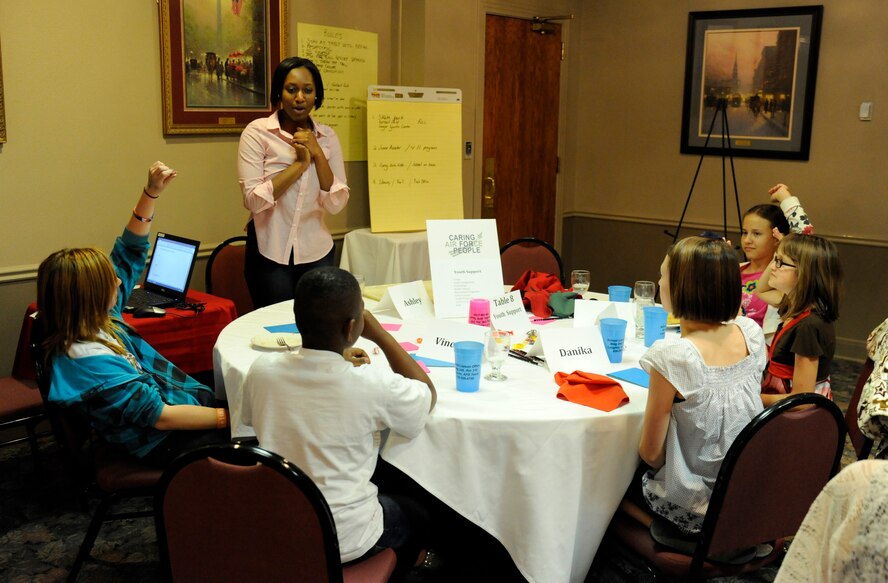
281, 341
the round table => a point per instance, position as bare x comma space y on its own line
542, 475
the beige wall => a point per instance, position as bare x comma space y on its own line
83, 112
631, 181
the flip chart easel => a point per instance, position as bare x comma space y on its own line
413, 156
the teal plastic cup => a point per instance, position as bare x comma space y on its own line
468, 365
613, 333
619, 293
654, 324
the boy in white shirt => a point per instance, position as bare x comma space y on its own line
323, 408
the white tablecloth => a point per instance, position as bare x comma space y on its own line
542, 475
386, 257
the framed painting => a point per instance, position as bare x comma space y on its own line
2, 107
217, 57
749, 82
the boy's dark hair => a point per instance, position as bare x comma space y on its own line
324, 299
283, 69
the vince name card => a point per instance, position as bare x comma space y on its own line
465, 260
438, 337
588, 313
570, 349
507, 313
410, 300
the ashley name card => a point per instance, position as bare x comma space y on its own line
410, 300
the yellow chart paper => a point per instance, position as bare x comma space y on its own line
347, 60
414, 164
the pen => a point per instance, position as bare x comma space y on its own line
531, 359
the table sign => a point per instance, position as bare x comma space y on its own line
588, 313
570, 349
410, 300
507, 313
438, 337
465, 260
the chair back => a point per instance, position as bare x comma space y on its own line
771, 475
862, 444
236, 512
525, 253
225, 274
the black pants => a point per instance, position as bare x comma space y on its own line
270, 282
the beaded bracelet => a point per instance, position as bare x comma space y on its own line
145, 192
139, 217
221, 418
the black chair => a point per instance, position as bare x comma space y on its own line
525, 253
237, 512
97, 469
225, 274
862, 444
770, 476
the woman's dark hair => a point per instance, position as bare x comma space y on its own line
284, 68
770, 212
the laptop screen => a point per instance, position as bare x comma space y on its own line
171, 263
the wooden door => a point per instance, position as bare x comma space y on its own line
520, 154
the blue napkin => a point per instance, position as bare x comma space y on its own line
283, 329
634, 375
432, 362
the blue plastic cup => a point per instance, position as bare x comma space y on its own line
654, 324
613, 333
467, 357
619, 293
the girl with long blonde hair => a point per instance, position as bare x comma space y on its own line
133, 397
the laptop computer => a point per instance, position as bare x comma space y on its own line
169, 273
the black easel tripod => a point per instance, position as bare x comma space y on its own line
721, 108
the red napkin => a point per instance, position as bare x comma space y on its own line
593, 390
536, 287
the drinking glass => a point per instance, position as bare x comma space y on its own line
644, 297
579, 280
497, 351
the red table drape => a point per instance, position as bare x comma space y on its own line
184, 337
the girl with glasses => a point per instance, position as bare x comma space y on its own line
805, 276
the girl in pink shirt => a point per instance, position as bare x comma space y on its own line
759, 243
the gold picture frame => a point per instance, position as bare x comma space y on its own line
2, 106
217, 57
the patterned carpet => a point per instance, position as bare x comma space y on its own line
42, 525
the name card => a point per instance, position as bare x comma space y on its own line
507, 313
588, 313
465, 260
570, 349
438, 337
410, 300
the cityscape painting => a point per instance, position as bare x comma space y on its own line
217, 58
749, 82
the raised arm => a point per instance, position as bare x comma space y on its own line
792, 209
401, 362
159, 176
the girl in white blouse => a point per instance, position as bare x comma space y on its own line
704, 386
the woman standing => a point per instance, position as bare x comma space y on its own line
291, 174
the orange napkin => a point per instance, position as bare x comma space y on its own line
593, 390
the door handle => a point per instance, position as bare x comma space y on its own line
488, 192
